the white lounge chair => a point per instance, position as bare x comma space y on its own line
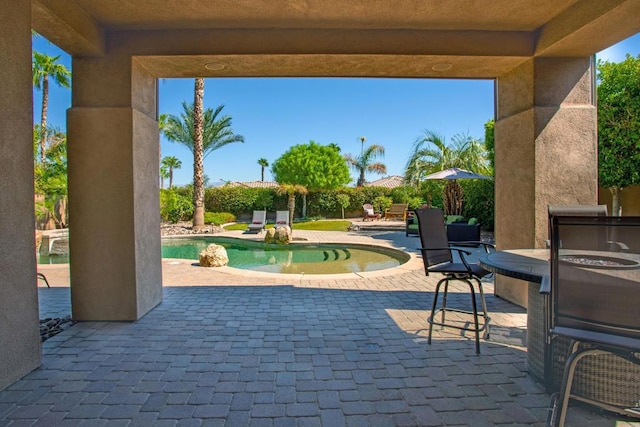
258, 222
282, 218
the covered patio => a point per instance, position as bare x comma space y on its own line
539, 54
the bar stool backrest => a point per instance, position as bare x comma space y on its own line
595, 281
433, 234
575, 210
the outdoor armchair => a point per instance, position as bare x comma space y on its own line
369, 213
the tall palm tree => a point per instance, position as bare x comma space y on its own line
263, 164
198, 155
365, 161
170, 163
43, 67
215, 132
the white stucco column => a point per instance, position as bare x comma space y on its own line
19, 325
115, 255
545, 151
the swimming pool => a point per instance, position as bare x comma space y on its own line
296, 258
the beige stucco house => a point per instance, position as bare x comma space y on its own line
538, 52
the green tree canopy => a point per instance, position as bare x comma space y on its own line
50, 179
489, 142
619, 125
51, 176
314, 166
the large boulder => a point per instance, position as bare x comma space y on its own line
270, 235
213, 256
280, 235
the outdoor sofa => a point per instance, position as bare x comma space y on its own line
458, 229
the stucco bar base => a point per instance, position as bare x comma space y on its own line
545, 150
19, 337
115, 252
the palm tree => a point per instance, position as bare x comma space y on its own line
202, 132
164, 174
170, 163
431, 154
364, 162
44, 66
290, 190
216, 132
263, 163
198, 155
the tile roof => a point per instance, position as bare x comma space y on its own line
253, 184
392, 181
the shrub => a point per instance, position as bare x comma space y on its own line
174, 206
382, 203
431, 192
479, 201
219, 218
238, 200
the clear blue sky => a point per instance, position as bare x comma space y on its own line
275, 113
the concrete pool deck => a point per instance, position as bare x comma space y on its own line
229, 349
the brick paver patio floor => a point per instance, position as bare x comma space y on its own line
229, 349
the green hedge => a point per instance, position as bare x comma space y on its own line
479, 201
242, 201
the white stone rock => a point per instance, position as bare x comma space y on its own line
213, 256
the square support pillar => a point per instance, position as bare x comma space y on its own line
114, 208
19, 325
545, 152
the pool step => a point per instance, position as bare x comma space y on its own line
336, 254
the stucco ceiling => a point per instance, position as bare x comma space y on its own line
512, 15
402, 38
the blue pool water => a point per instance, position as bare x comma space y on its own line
295, 258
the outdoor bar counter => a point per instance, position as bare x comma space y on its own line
606, 378
532, 266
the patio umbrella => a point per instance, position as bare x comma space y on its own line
452, 193
456, 173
